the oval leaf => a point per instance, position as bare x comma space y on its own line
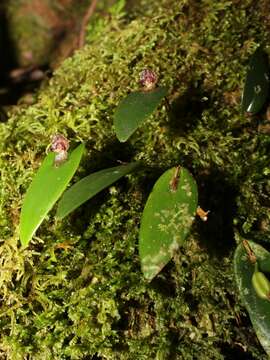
166, 219
132, 110
258, 309
256, 85
89, 186
45, 189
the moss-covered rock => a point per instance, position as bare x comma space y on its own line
77, 291
42, 31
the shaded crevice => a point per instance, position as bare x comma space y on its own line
15, 81
7, 58
218, 196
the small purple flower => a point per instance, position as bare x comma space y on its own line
148, 79
60, 146
59, 143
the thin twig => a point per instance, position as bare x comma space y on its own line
175, 179
250, 253
85, 21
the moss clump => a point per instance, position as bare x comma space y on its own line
77, 292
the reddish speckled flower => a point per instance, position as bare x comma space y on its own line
148, 79
59, 143
60, 146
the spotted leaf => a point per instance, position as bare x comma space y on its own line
166, 219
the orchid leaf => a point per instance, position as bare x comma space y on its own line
256, 86
258, 308
166, 219
134, 109
47, 186
89, 186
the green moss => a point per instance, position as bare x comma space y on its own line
78, 290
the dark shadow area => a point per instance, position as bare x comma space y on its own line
256, 235
146, 178
7, 58
90, 357
163, 284
236, 352
185, 111
130, 311
218, 196
175, 339
113, 154
14, 80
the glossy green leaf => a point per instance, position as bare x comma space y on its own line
258, 309
166, 220
45, 189
134, 109
256, 86
89, 186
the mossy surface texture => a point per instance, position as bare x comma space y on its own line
77, 292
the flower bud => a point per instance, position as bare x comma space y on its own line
148, 79
261, 285
59, 143
60, 146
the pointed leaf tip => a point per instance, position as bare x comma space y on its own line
89, 186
